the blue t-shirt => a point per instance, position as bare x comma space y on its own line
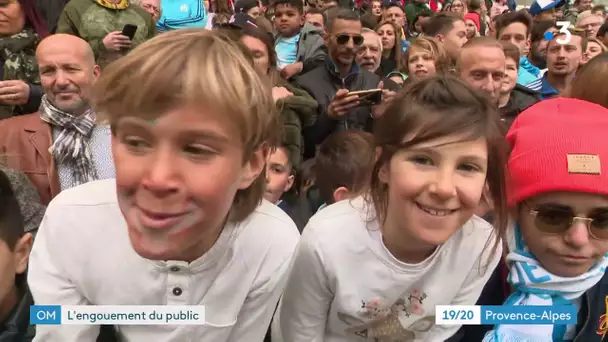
287, 50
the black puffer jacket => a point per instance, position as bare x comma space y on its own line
521, 98
322, 83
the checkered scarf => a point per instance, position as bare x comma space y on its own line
71, 146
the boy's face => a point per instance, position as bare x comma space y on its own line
176, 179
510, 79
564, 249
287, 20
12, 263
278, 175
517, 35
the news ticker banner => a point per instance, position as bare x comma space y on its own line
504, 314
195, 315
117, 314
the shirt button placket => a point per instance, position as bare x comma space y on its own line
177, 286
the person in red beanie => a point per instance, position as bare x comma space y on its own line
557, 189
472, 22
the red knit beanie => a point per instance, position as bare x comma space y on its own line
474, 17
558, 145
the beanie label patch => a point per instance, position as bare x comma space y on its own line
584, 163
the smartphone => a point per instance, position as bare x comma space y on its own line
129, 31
368, 97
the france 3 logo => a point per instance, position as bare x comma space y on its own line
564, 29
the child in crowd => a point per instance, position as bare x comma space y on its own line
299, 45
513, 98
15, 246
438, 144
279, 176
343, 165
184, 222
558, 197
425, 58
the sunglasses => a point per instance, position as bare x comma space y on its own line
344, 38
557, 220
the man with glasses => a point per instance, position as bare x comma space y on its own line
331, 82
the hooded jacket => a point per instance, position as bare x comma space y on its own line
311, 47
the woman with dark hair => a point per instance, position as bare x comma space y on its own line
21, 29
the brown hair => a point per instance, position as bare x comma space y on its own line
344, 159
441, 23
590, 81
598, 42
11, 221
189, 67
433, 108
511, 51
396, 53
428, 44
506, 19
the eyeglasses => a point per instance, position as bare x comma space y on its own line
344, 38
557, 220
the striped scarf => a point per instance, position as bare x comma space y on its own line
71, 146
537, 287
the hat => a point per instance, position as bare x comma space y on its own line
544, 5
242, 21
474, 17
242, 6
558, 145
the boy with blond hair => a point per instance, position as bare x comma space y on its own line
184, 222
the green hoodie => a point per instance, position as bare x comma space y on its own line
92, 20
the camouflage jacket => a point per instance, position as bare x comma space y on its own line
92, 21
297, 112
18, 52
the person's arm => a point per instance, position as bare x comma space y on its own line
469, 293
302, 312
70, 23
323, 125
151, 27
316, 56
255, 315
50, 282
33, 101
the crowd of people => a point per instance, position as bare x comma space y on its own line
327, 170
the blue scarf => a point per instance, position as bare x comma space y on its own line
533, 285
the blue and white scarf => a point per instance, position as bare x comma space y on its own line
533, 285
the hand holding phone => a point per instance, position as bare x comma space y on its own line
116, 41
370, 97
341, 103
129, 31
